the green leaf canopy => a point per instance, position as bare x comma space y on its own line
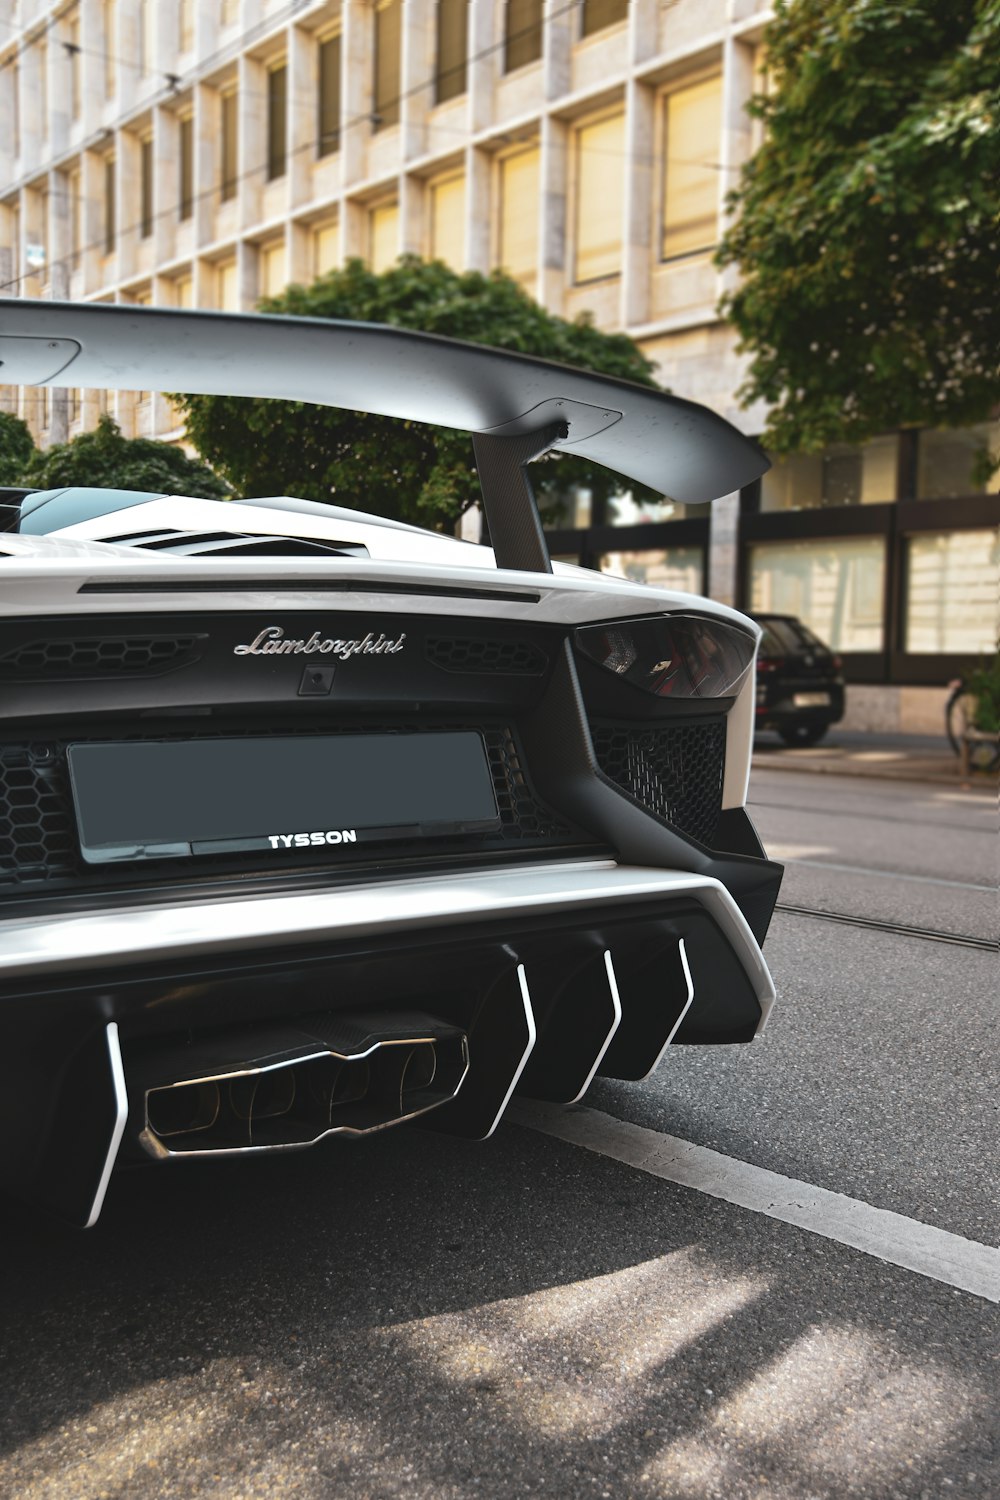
380, 464
868, 229
104, 457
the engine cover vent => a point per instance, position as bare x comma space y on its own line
235, 544
99, 656
470, 654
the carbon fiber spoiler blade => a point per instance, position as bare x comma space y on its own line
676, 447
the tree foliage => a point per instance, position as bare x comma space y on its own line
868, 229
380, 464
104, 457
17, 448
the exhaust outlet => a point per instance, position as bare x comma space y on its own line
283, 1088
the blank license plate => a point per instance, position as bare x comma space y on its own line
164, 799
811, 700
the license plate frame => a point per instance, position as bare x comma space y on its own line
811, 700
279, 794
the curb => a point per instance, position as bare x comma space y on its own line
943, 773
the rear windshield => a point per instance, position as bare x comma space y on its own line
782, 636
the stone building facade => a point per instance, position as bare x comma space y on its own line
204, 153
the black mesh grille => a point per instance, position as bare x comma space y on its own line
468, 654
38, 824
99, 656
672, 770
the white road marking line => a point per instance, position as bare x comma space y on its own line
828, 864
944, 1257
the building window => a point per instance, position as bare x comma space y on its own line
328, 125
447, 216
227, 286
230, 149
387, 50
664, 567
277, 122
15, 104
383, 236
43, 85
185, 26
110, 217
452, 48
600, 172
519, 207
272, 269
951, 591
184, 291
954, 461
835, 585
146, 188
109, 17
522, 36
597, 14
691, 178
75, 217
73, 48
185, 204
325, 248
230, 12
839, 475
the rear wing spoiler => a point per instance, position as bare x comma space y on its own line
515, 406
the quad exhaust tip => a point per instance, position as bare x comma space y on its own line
288, 1104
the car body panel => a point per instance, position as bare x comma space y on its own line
613, 909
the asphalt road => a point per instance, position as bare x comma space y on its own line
420, 1317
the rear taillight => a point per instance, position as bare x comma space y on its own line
672, 656
838, 665
770, 663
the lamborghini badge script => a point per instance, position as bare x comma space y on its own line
272, 642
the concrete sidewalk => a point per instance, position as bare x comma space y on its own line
906, 757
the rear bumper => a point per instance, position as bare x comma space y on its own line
783, 712
553, 973
51, 949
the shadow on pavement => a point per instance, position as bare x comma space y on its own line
419, 1316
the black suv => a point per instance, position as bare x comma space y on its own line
800, 683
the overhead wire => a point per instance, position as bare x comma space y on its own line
361, 118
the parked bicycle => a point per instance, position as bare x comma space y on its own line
972, 717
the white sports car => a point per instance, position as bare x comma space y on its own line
313, 823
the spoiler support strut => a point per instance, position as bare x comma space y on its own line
515, 527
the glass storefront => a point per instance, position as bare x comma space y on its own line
835, 585
953, 461
952, 591
665, 567
840, 475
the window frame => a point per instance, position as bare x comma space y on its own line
386, 113
521, 33
185, 167
447, 87
327, 39
229, 134
680, 85
586, 122
276, 120
147, 186
500, 161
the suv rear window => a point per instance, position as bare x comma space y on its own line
783, 636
